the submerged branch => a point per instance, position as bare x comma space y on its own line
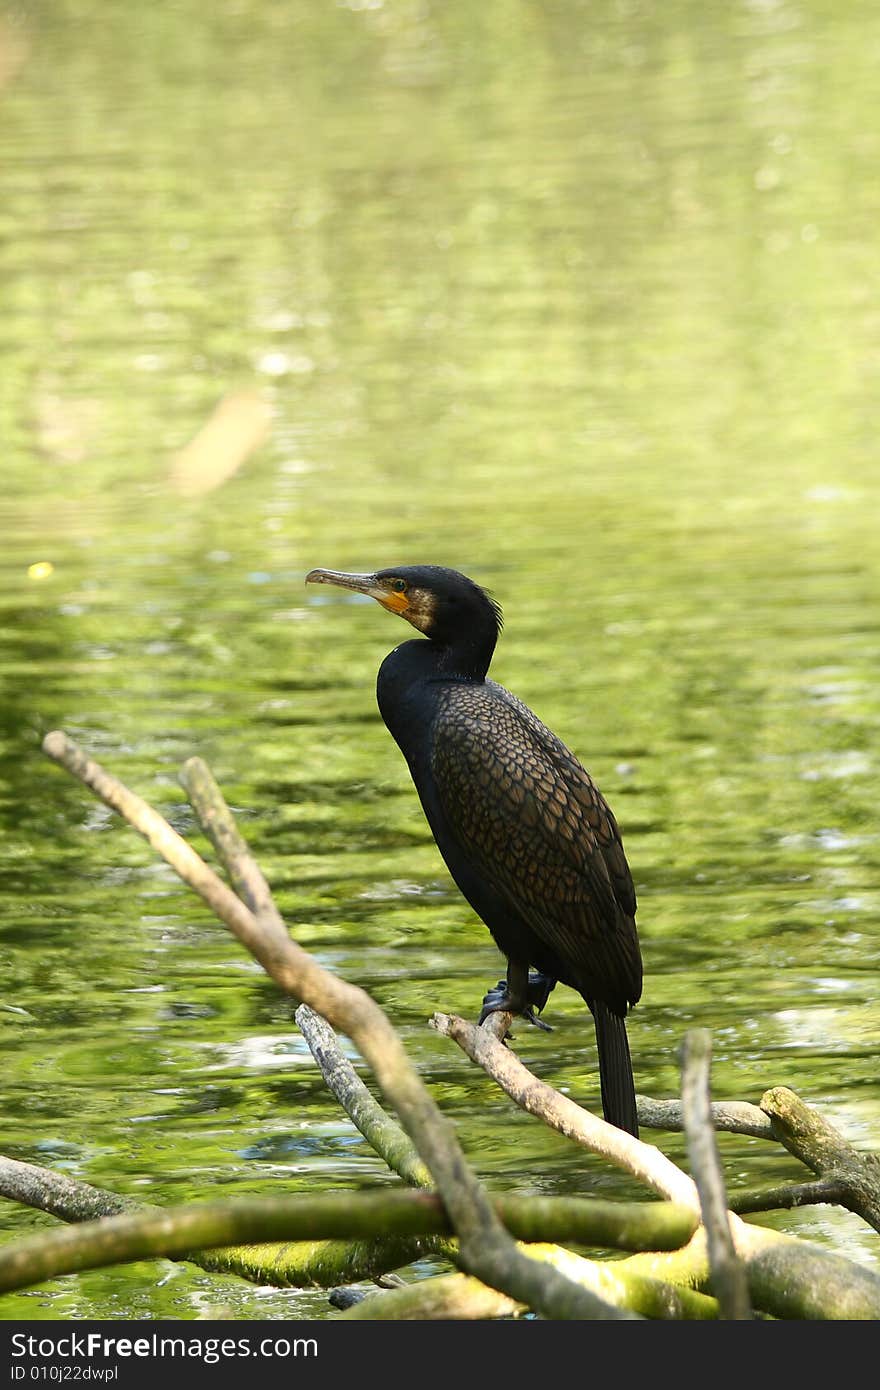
67, 1198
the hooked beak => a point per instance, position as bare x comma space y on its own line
361, 584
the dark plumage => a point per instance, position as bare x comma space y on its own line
524, 830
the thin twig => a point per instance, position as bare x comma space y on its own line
788, 1195
729, 1282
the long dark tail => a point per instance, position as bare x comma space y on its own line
615, 1069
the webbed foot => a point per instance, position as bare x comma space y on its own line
502, 1000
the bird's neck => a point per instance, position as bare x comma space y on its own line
463, 660
415, 663
410, 678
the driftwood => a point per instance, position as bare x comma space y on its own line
689, 1245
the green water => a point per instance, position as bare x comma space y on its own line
578, 298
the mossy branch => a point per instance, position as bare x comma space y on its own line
177, 1232
823, 1148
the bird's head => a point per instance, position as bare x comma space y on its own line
446, 606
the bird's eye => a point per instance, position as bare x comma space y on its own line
399, 586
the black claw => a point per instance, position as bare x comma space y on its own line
532, 1017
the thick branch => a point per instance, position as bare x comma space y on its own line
823, 1148
736, 1116
177, 1232
788, 1278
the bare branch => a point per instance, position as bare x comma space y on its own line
735, 1116
729, 1283
789, 1278
643, 1161
67, 1198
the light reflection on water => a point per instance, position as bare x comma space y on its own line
575, 301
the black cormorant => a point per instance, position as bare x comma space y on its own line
524, 830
